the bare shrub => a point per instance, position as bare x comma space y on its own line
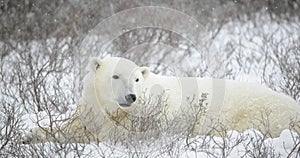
41, 72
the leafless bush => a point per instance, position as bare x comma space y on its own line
34, 78
11, 129
40, 70
286, 64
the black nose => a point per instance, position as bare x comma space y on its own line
130, 98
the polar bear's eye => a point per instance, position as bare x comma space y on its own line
115, 77
137, 80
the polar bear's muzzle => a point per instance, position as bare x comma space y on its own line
124, 105
130, 98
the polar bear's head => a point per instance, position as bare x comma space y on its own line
117, 81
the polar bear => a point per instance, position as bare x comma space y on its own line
117, 93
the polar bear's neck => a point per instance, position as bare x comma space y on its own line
130, 122
88, 93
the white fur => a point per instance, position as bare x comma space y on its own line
238, 106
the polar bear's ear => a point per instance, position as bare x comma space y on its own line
94, 63
145, 71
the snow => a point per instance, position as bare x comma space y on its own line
249, 143
237, 144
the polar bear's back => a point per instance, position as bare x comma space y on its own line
240, 106
254, 105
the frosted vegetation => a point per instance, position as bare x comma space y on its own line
42, 68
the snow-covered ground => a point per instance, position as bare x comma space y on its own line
250, 143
